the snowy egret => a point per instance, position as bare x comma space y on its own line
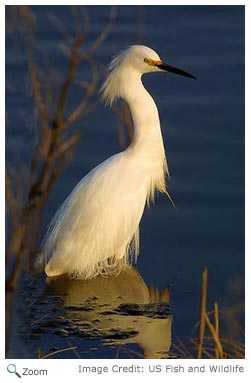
96, 230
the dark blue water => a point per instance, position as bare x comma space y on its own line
203, 130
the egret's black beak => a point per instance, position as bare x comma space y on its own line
172, 69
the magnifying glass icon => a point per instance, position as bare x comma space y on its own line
13, 370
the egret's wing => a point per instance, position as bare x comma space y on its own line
100, 217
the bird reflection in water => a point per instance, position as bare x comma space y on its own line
120, 309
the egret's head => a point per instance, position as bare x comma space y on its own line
137, 59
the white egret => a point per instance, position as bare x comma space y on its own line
96, 230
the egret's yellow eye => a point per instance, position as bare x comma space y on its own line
149, 61
152, 62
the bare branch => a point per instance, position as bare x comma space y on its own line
104, 34
202, 312
90, 89
60, 26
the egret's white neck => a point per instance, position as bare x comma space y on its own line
144, 115
147, 144
147, 141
